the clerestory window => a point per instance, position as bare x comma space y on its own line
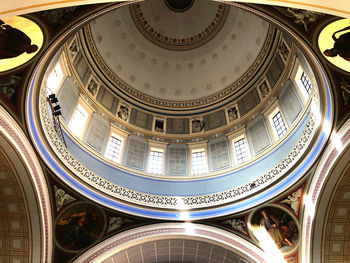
199, 162
54, 79
114, 149
279, 125
78, 121
241, 151
156, 161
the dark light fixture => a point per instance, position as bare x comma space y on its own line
57, 107
53, 98
57, 113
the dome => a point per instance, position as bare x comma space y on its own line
152, 56
179, 111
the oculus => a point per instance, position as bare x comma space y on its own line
179, 5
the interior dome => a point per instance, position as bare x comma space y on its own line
171, 56
232, 126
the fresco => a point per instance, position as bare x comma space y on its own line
279, 224
20, 40
334, 43
79, 225
237, 224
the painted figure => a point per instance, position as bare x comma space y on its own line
13, 42
293, 200
9, 85
117, 222
77, 228
303, 17
62, 198
341, 45
279, 233
236, 224
345, 87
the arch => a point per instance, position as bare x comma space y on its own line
28, 183
165, 231
11, 8
327, 174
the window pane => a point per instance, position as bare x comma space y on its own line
279, 124
78, 121
241, 151
114, 149
199, 163
306, 83
54, 79
155, 165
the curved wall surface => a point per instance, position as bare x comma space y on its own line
189, 198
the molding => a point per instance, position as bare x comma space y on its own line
121, 87
139, 235
99, 183
176, 44
11, 130
339, 141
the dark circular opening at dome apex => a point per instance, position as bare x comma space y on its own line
179, 5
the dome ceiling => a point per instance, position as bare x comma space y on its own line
178, 56
125, 50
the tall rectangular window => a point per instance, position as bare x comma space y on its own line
54, 79
241, 151
114, 149
279, 124
155, 161
78, 121
199, 162
305, 81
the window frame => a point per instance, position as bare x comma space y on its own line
89, 111
198, 147
159, 147
119, 134
308, 80
237, 136
61, 63
295, 77
269, 114
282, 127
